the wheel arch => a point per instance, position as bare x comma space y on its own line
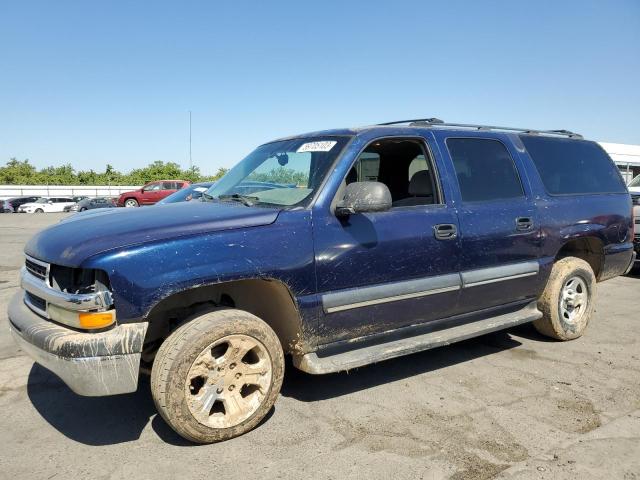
588, 248
269, 299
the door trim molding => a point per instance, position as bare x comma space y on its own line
389, 292
358, 297
483, 276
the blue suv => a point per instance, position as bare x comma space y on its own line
350, 247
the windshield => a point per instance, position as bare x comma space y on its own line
284, 174
635, 182
192, 192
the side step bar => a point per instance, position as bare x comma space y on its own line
312, 363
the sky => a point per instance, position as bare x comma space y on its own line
91, 83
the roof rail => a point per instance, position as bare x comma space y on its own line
436, 122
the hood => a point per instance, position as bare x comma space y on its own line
139, 190
74, 240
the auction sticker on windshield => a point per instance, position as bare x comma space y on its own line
324, 146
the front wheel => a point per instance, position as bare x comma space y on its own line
131, 203
567, 302
218, 375
39, 210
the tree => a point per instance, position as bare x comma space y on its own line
16, 172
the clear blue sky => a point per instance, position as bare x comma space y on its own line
91, 83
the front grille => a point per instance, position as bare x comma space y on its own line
36, 301
36, 269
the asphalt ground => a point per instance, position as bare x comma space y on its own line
512, 404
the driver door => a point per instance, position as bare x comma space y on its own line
380, 271
151, 193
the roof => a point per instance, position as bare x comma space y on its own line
409, 126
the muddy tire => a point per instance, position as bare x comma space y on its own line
131, 203
218, 375
567, 302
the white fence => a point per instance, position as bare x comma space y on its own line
8, 191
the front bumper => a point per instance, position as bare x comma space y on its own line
91, 364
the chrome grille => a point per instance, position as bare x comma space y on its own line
36, 269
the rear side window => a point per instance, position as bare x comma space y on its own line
485, 169
569, 166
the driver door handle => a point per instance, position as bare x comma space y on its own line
445, 231
524, 224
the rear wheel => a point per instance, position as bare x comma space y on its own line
567, 302
130, 203
218, 375
39, 210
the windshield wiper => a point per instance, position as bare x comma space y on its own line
236, 197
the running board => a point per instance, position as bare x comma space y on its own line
312, 363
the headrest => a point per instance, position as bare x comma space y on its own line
420, 184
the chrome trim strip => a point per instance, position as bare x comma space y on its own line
78, 302
483, 276
501, 279
389, 292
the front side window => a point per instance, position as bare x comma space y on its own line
153, 187
484, 169
403, 166
284, 173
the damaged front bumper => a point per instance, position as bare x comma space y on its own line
91, 364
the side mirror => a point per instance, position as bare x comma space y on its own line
361, 197
50, 202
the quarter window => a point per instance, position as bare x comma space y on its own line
484, 169
570, 166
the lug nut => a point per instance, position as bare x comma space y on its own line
219, 390
231, 387
232, 366
238, 375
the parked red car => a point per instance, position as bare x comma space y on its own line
151, 193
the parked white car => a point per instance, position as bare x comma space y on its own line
46, 205
634, 185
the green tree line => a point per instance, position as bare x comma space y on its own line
17, 172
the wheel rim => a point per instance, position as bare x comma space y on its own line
573, 300
130, 203
228, 381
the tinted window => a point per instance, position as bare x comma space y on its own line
570, 166
484, 169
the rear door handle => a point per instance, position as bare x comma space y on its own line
524, 223
445, 231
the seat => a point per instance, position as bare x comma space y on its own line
420, 191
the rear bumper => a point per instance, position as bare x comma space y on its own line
91, 364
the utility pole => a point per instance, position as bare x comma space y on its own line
190, 160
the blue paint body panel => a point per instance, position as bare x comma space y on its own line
152, 253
